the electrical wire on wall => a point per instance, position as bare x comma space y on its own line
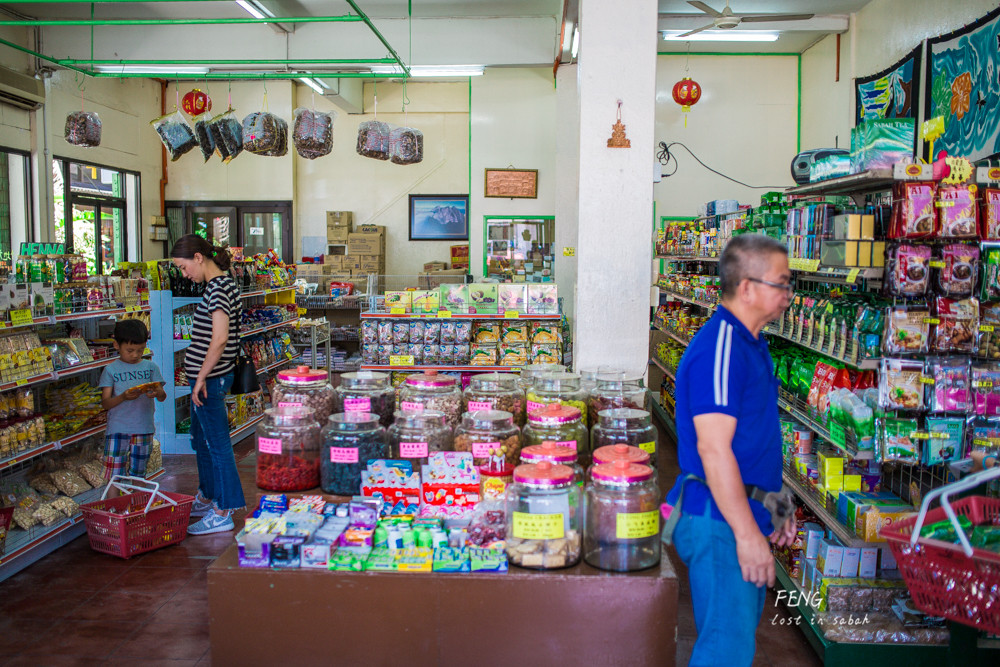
665, 158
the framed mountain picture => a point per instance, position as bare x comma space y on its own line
439, 217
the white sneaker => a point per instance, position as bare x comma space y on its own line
212, 523
201, 507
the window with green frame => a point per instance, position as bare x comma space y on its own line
519, 248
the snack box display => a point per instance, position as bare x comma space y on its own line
349, 559
487, 560
455, 298
400, 299
543, 299
512, 297
415, 559
286, 551
315, 554
381, 559
830, 558
483, 298
869, 525
451, 559
425, 301
254, 550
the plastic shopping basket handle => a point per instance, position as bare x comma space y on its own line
945, 492
126, 483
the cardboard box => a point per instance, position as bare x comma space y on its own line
435, 266
426, 301
334, 262
399, 300
868, 564
369, 264
455, 298
368, 240
339, 219
878, 254
830, 558
869, 525
512, 297
864, 254
814, 535
460, 257
850, 562
543, 299
337, 234
888, 560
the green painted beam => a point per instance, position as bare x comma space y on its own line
385, 43
240, 75
42, 56
49, 23
243, 61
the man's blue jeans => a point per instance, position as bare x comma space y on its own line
727, 610
218, 479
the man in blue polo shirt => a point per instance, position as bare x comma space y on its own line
728, 435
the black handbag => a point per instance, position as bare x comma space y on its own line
244, 375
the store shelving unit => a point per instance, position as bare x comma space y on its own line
817, 504
29, 454
663, 367
443, 314
661, 414
436, 367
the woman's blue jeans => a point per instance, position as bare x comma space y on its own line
218, 479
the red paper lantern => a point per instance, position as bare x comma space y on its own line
686, 93
196, 103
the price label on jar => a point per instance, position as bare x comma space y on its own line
343, 454
538, 526
411, 406
413, 450
269, 445
532, 406
637, 525
567, 443
285, 404
481, 450
648, 447
358, 404
479, 405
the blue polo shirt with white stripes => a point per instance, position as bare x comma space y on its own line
725, 369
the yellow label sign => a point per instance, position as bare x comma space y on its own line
569, 252
444, 314
20, 317
21, 382
401, 360
936, 264
397, 310
926, 380
648, 447
538, 526
983, 384
302, 311
635, 526
931, 320
986, 327
511, 314
852, 275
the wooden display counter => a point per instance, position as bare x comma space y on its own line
579, 615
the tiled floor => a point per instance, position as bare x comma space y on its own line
78, 607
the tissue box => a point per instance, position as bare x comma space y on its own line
849, 563
830, 558
868, 563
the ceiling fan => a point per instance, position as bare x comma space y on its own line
727, 20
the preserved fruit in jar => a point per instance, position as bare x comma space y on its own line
350, 440
288, 444
304, 387
622, 531
543, 517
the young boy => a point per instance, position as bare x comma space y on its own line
128, 386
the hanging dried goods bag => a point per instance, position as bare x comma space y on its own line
373, 139
175, 133
406, 145
265, 134
227, 135
83, 128
203, 133
312, 133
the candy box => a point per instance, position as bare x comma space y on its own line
286, 551
399, 300
487, 560
544, 354
349, 559
830, 558
254, 550
425, 301
543, 299
512, 355
315, 554
486, 332
544, 334
450, 559
415, 559
513, 333
512, 297
455, 298
482, 354
870, 524
483, 298
381, 559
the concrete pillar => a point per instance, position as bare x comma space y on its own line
617, 61
567, 204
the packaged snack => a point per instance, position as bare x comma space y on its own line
909, 270
907, 330
369, 353
950, 391
463, 331
426, 301
227, 135
946, 442
312, 133
988, 337
985, 385
398, 299
175, 133
432, 333
990, 286
416, 350
957, 211
384, 352
447, 333
513, 332
482, 354
900, 386
957, 276
461, 354
512, 297
512, 355
486, 332
406, 145
446, 354
203, 133
544, 334
401, 349
265, 134
991, 214
455, 298
400, 332
385, 332
373, 139
369, 331
545, 354
83, 128
898, 443
417, 332
483, 298
543, 299
431, 355
913, 214
958, 323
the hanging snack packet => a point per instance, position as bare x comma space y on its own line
907, 330
406, 145
947, 441
988, 344
897, 441
900, 385
913, 214
991, 214
985, 385
227, 134
312, 133
951, 391
957, 211
957, 270
957, 325
265, 134
909, 270
175, 133
373, 139
83, 128
203, 133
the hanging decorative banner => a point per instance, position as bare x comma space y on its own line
196, 102
891, 93
962, 88
618, 138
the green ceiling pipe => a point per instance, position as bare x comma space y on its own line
88, 2
243, 61
371, 26
41, 55
242, 75
50, 23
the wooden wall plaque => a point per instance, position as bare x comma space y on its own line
512, 183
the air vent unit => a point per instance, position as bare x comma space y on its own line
18, 90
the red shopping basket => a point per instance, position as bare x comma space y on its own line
141, 521
957, 581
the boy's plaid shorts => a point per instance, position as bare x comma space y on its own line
120, 447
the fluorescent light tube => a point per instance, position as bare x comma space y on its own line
150, 69
253, 9
576, 43
432, 70
720, 36
312, 83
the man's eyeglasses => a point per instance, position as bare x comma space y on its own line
787, 287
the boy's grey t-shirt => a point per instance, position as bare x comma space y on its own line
131, 417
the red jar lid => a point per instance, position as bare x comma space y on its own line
620, 452
621, 472
548, 451
543, 474
554, 413
302, 374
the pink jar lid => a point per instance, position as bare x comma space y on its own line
554, 413
429, 379
302, 374
621, 472
543, 473
548, 451
620, 452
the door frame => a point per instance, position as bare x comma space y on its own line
246, 206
